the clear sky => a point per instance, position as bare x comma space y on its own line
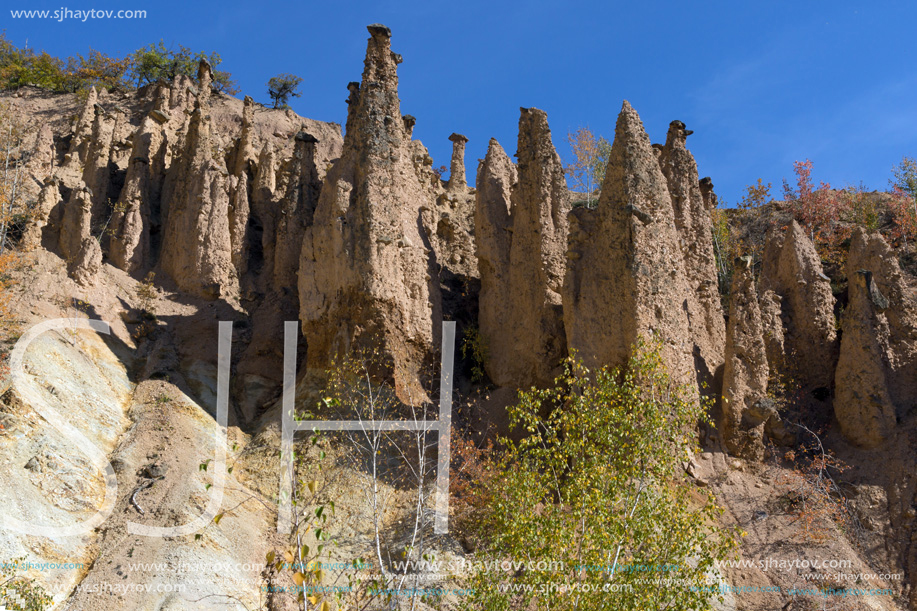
761, 83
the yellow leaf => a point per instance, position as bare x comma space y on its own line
325, 606
288, 556
270, 557
313, 600
313, 485
298, 578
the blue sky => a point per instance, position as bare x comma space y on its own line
762, 84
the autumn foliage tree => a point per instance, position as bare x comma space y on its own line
756, 195
156, 62
590, 157
819, 209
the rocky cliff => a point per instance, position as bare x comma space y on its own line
162, 170
232, 211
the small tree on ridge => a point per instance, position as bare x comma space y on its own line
282, 87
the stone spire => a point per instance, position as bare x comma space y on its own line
79, 248
878, 356
792, 270
540, 203
196, 250
130, 247
48, 198
625, 271
245, 156
695, 232
82, 131
204, 80
745, 375
521, 236
96, 171
457, 171
493, 233
297, 209
365, 271
41, 157
242, 170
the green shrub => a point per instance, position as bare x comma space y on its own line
156, 62
25, 67
597, 484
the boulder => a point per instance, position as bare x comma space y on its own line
85, 267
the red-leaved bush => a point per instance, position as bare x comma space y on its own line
904, 217
819, 210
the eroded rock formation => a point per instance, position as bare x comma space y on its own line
48, 198
82, 132
242, 165
130, 246
80, 249
365, 268
196, 242
695, 231
41, 158
457, 167
792, 269
745, 407
96, 172
493, 233
625, 272
772, 325
449, 224
301, 186
521, 222
877, 370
